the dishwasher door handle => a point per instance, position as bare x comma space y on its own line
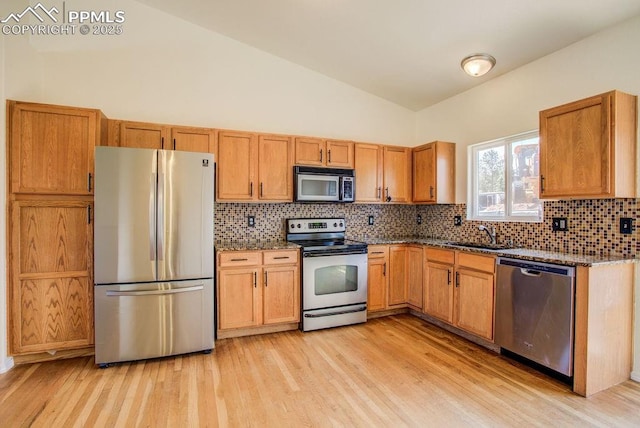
529, 272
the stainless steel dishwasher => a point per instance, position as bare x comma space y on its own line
535, 312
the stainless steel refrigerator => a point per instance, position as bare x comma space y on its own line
153, 252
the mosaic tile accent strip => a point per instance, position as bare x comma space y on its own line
593, 224
389, 220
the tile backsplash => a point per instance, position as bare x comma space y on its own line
593, 224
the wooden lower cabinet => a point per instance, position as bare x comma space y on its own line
415, 290
257, 288
438, 296
51, 283
397, 294
460, 288
377, 278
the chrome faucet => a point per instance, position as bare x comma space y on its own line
490, 231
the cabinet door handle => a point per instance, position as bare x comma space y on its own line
162, 142
328, 156
377, 252
431, 191
89, 178
265, 279
281, 257
88, 214
255, 280
379, 190
239, 260
174, 144
384, 269
541, 183
457, 279
448, 277
261, 193
388, 198
251, 188
320, 155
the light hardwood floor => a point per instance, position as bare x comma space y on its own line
393, 371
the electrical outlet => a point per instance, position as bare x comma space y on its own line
370, 220
559, 224
626, 225
457, 220
251, 221
419, 219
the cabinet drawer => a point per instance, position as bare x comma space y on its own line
439, 255
239, 258
476, 261
280, 257
377, 251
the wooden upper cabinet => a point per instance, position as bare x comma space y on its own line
340, 154
190, 139
143, 135
51, 285
368, 171
588, 148
275, 168
254, 167
319, 152
434, 173
51, 148
237, 157
396, 174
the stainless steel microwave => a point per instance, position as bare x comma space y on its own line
314, 184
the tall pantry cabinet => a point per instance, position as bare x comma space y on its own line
50, 161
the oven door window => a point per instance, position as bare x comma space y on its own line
336, 279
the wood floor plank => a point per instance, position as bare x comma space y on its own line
392, 371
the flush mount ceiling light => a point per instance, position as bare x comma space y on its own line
477, 65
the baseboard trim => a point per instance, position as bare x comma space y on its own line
635, 376
6, 364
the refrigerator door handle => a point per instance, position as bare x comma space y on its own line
152, 216
161, 228
154, 292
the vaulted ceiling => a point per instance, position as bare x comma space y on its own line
405, 51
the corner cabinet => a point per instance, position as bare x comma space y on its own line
258, 292
254, 167
434, 173
459, 290
588, 148
50, 233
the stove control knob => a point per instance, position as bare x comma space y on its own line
341, 224
292, 225
299, 226
335, 224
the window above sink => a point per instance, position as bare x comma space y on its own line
503, 180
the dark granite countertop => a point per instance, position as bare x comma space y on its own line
518, 253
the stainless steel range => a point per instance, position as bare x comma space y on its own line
334, 273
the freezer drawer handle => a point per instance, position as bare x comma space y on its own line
154, 292
329, 314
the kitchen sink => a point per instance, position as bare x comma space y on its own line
479, 245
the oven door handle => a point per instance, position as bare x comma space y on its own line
329, 314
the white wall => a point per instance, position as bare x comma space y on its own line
163, 69
509, 104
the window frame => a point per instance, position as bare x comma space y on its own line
473, 180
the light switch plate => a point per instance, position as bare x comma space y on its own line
626, 225
370, 220
559, 224
251, 221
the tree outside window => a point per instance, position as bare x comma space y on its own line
503, 179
